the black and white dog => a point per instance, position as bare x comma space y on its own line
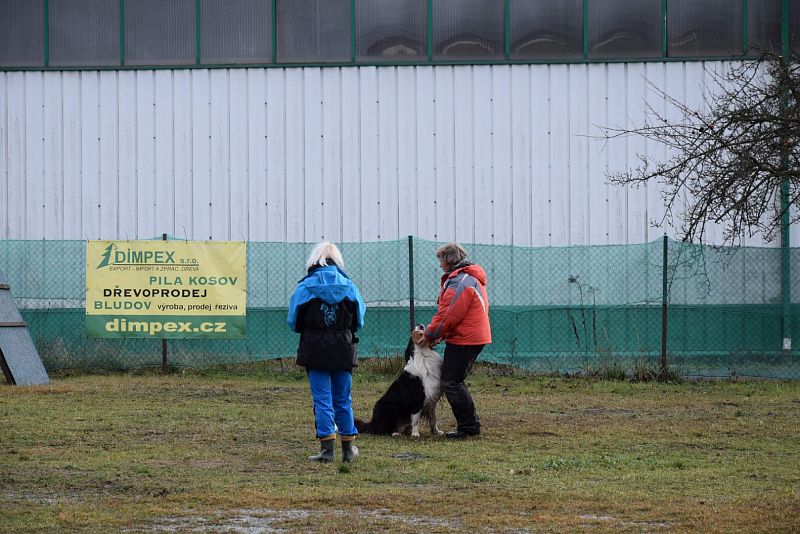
413, 394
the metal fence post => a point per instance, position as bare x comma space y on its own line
411, 280
164, 340
786, 266
664, 309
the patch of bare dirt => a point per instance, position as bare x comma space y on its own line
268, 521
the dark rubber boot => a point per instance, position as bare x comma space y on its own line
349, 451
326, 454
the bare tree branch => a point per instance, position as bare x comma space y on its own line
726, 161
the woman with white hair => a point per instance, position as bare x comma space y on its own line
326, 309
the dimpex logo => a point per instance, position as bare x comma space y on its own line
106, 256
113, 255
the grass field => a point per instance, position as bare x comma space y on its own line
225, 451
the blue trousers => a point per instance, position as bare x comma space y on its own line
333, 405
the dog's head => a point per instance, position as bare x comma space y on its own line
409, 352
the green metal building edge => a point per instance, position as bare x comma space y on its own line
428, 61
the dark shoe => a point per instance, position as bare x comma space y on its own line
460, 434
326, 454
349, 451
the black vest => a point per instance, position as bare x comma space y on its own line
327, 335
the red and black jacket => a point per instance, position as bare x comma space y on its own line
463, 314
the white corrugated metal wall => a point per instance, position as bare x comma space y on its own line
484, 154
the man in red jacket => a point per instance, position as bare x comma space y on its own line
462, 320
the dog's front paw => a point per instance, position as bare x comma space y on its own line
395, 434
438, 432
415, 434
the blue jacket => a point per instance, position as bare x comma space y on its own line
326, 308
329, 284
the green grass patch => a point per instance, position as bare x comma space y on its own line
225, 449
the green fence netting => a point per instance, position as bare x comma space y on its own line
576, 310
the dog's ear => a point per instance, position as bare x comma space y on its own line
409, 350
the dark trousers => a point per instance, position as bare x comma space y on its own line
458, 361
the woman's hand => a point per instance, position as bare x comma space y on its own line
419, 338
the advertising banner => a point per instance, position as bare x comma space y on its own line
166, 289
